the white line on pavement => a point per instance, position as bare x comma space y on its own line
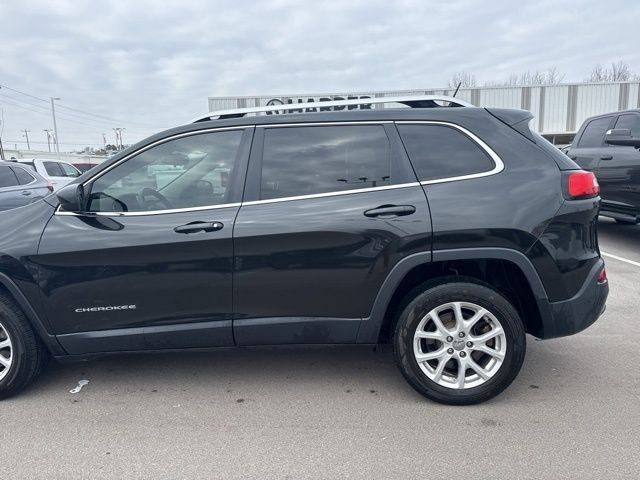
625, 260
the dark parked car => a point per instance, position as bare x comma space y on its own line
19, 186
449, 232
609, 146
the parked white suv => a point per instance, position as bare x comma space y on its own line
58, 172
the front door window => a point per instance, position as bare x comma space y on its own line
185, 172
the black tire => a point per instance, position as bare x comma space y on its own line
625, 222
28, 353
425, 298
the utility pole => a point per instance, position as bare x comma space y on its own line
55, 126
26, 135
104, 140
48, 132
118, 131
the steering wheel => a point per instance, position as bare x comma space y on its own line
116, 201
148, 191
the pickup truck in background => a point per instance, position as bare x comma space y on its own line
609, 146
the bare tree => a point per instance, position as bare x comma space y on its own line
554, 77
464, 79
598, 74
619, 72
537, 77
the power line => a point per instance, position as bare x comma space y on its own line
84, 112
63, 115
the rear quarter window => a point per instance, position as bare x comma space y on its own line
439, 152
23, 177
7, 178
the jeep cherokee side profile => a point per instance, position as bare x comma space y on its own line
448, 232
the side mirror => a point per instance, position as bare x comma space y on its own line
71, 197
621, 136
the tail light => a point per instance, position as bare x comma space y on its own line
50, 187
602, 276
581, 184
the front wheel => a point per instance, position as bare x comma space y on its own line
459, 343
22, 355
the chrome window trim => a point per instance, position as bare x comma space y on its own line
499, 167
499, 164
143, 213
330, 194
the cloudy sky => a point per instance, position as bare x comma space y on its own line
148, 65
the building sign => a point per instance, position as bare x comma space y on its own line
319, 100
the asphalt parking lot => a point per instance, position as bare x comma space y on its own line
574, 411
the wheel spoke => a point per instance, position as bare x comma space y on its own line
438, 323
457, 311
5, 343
423, 357
489, 351
430, 335
462, 370
477, 368
476, 317
5, 362
437, 375
487, 336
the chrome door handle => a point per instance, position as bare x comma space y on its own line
26, 193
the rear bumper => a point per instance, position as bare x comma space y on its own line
579, 312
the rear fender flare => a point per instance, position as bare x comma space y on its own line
370, 326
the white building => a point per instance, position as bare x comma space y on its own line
558, 110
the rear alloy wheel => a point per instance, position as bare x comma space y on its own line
6, 352
459, 343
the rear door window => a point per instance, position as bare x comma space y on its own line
441, 152
23, 177
593, 135
311, 160
7, 178
53, 169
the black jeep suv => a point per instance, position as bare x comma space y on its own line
449, 232
605, 145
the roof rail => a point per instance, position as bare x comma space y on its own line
415, 101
